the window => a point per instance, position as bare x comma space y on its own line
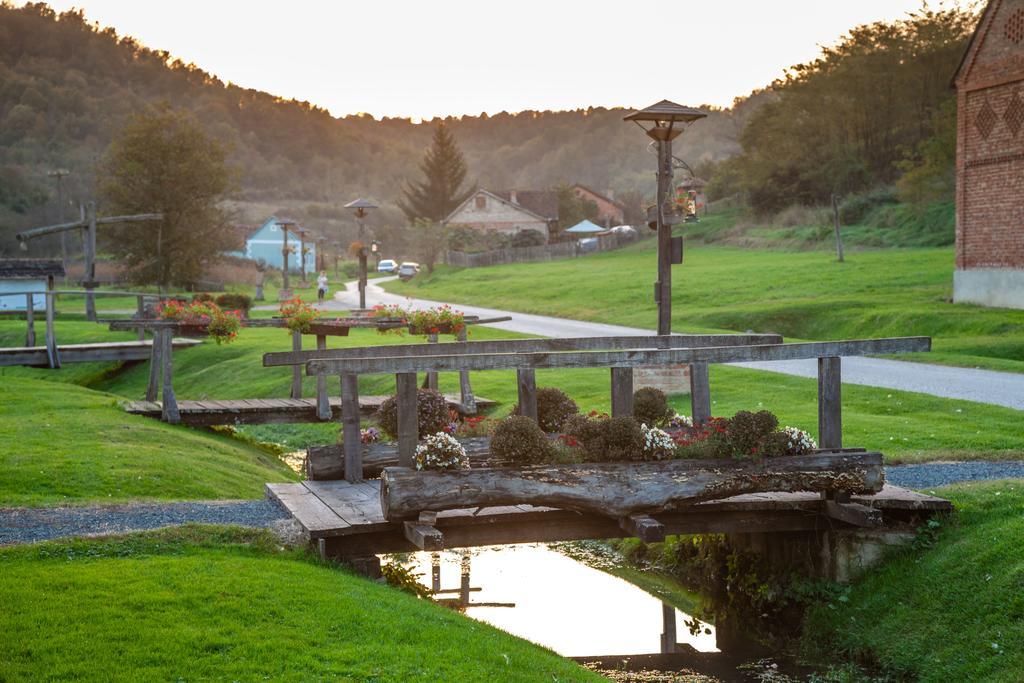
481, 201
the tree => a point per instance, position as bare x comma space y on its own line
164, 162
444, 171
430, 241
573, 208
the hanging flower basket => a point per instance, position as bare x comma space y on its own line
201, 319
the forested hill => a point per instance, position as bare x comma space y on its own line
66, 87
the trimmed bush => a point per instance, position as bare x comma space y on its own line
519, 440
554, 407
615, 439
235, 302
431, 414
650, 407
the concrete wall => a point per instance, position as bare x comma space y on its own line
1000, 287
672, 379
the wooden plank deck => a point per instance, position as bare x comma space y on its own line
209, 412
35, 356
348, 517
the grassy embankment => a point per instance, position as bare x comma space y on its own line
230, 604
800, 294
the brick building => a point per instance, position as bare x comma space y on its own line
990, 161
609, 212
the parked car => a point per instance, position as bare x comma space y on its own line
387, 266
408, 270
587, 244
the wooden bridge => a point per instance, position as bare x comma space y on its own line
347, 518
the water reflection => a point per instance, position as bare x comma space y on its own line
545, 597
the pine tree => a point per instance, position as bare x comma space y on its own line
444, 171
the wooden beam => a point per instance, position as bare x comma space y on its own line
140, 312
540, 345
644, 527
632, 358
622, 392
169, 403
90, 262
423, 536
853, 513
668, 628
465, 388
296, 371
323, 404
408, 422
526, 381
350, 427
30, 320
155, 366
432, 376
52, 354
700, 392
830, 406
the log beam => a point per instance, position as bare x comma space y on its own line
853, 513
644, 527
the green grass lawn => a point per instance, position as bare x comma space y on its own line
208, 603
953, 611
65, 444
800, 294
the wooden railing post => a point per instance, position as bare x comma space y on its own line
350, 427
30, 319
296, 369
90, 262
170, 404
527, 383
700, 393
830, 407
432, 376
668, 628
323, 403
468, 400
408, 422
140, 301
155, 365
52, 354
622, 392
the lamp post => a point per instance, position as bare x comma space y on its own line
285, 224
663, 122
361, 207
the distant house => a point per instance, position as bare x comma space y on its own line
509, 212
990, 161
609, 211
266, 242
26, 275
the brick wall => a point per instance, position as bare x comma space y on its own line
672, 379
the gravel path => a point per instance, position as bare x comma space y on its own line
25, 525
969, 384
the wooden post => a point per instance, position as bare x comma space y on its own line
140, 305
700, 392
155, 366
323, 403
432, 376
830, 408
527, 382
435, 572
170, 405
835, 220
668, 628
408, 423
350, 427
30, 320
90, 262
296, 369
52, 354
465, 389
622, 392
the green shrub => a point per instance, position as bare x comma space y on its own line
519, 440
554, 407
855, 208
615, 439
528, 238
203, 296
650, 406
235, 302
747, 429
350, 269
431, 414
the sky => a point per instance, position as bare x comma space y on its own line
452, 57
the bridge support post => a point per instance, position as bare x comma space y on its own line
408, 424
622, 392
155, 366
527, 383
169, 412
668, 629
30, 320
296, 369
323, 403
431, 382
52, 354
830, 406
700, 393
468, 400
350, 427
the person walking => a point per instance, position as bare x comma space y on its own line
321, 286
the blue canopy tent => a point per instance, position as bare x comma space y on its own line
585, 227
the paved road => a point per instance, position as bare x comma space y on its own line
984, 386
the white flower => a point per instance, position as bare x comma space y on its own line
678, 421
798, 441
441, 452
658, 445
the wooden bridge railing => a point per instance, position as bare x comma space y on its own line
621, 363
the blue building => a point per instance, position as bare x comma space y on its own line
266, 243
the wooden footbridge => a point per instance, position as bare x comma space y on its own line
349, 517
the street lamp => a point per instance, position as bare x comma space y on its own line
285, 224
663, 122
361, 207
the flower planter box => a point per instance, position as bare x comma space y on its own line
439, 329
193, 330
622, 489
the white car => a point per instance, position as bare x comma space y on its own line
624, 230
387, 266
408, 270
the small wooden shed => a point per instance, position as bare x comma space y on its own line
27, 275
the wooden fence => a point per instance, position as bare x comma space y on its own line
544, 252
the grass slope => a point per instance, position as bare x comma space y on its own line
207, 603
66, 444
952, 612
802, 295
